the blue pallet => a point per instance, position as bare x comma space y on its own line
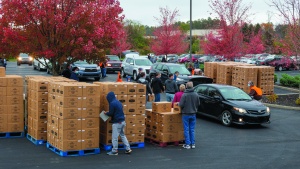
35, 141
12, 135
73, 153
122, 146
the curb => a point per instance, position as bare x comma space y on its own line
287, 88
281, 107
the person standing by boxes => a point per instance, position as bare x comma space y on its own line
118, 119
171, 88
157, 87
189, 104
179, 94
143, 80
67, 72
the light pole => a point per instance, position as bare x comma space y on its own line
191, 29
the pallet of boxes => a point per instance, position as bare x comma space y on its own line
164, 124
73, 118
11, 106
133, 98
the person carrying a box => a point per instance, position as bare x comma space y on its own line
255, 92
118, 119
189, 104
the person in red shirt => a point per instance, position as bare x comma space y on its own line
255, 92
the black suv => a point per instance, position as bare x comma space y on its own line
184, 75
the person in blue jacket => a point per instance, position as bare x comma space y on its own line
74, 73
118, 119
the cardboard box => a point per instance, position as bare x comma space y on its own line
39, 124
69, 124
2, 71
69, 145
150, 98
91, 101
169, 127
90, 143
131, 99
14, 100
123, 99
122, 89
135, 128
88, 123
90, 90
107, 139
29, 120
141, 99
3, 91
70, 113
106, 127
176, 108
161, 107
15, 118
14, 80
135, 119
90, 112
148, 113
39, 134
140, 108
40, 85
3, 127
106, 87
70, 90
41, 96
3, 118
141, 89
170, 117
131, 88
165, 137
103, 100
70, 102
15, 127
129, 109
3, 109
3, 82
39, 106
69, 134
90, 133
180, 135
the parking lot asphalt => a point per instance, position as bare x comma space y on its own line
275, 145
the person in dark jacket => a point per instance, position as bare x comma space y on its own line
143, 80
157, 87
118, 119
189, 104
164, 59
171, 88
140, 70
67, 72
74, 73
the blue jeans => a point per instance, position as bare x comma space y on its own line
189, 122
103, 71
118, 130
156, 97
169, 97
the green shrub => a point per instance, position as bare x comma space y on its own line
275, 78
202, 66
290, 81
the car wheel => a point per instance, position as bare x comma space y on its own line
123, 73
226, 118
280, 68
97, 78
134, 75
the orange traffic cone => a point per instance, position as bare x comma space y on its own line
119, 79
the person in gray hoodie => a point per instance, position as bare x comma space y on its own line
189, 104
171, 88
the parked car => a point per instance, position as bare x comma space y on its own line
132, 63
184, 75
205, 58
267, 60
113, 63
87, 70
230, 104
186, 58
24, 58
284, 63
40, 64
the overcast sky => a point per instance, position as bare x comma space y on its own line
144, 11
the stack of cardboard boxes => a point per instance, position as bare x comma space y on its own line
11, 104
163, 123
224, 71
265, 79
133, 98
37, 108
242, 75
73, 116
210, 70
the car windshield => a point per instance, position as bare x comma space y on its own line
233, 93
180, 68
143, 62
24, 55
113, 58
80, 62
